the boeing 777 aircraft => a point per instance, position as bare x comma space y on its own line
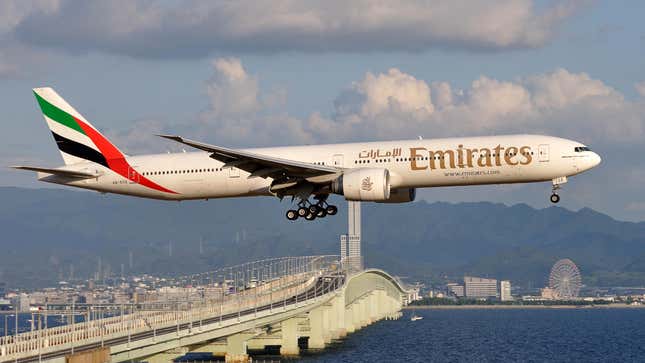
382, 172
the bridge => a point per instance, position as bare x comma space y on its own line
282, 304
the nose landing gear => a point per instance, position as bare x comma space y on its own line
555, 198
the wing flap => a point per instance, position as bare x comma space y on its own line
60, 172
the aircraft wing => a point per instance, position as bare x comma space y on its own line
263, 165
60, 172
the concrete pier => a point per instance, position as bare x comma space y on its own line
289, 342
236, 348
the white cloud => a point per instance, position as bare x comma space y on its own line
443, 96
198, 28
561, 88
640, 88
239, 111
231, 90
559, 103
381, 93
492, 100
395, 104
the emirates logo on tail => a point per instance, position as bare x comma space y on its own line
366, 185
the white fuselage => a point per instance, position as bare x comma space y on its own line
411, 164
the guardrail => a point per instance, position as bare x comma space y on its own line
255, 291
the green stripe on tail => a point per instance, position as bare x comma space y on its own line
58, 115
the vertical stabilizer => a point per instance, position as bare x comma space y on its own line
77, 140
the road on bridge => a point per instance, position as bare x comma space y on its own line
324, 284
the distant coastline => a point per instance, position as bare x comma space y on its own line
446, 307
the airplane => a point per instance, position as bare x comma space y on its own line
381, 172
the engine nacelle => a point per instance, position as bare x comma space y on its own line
367, 184
401, 195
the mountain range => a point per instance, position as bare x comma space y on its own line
54, 234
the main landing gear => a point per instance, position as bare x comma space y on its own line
310, 211
555, 198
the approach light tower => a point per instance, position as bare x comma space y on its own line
350, 243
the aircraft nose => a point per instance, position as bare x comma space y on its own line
595, 160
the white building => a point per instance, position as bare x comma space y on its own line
505, 290
21, 302
456, 289
478, 287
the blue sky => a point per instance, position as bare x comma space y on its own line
255, 73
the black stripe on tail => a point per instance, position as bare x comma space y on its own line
79, 150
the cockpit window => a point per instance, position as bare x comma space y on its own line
581, 149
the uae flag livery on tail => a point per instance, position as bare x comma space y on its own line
78, 141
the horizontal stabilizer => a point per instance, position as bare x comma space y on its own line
60, 172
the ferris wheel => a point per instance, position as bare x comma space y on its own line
565, 279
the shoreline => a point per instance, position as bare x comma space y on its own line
511, 307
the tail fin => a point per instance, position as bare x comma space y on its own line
77, 140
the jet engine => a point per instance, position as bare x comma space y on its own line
364, 184
400, 195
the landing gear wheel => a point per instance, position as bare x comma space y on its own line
292, 215
302, 212
322, 213
313, 209
310, 217
332, 210
555, 198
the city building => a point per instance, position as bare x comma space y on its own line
455, 289
413, 295
479, 287
21, 302
505, 290
548, 293
3, 289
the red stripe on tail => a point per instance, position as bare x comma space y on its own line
115, 159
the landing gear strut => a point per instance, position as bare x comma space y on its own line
555, 198
311, 211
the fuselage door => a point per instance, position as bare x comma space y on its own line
543, 152
233, 172
337, 160
133, 176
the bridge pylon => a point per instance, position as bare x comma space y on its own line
350, 243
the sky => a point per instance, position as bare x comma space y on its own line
287, 72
